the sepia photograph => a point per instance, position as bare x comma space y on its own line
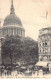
25, 39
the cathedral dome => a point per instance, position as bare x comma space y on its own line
12, 24
12, 19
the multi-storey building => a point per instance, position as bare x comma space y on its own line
44, 44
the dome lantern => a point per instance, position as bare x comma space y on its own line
12, 7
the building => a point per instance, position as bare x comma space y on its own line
12, 26
44, 48
44, 44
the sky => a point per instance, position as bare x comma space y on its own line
31, 12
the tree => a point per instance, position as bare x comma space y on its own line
16, 48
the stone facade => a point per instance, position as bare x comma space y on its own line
44, 44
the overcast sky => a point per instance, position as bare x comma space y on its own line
31, 12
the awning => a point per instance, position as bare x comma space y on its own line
23, 67
42, 63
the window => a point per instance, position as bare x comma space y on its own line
43, 50
45, 44
39, 44
40, 50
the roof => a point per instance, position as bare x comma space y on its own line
47, 28
42, 63
12, 18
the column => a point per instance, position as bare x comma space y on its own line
21, 32
17, 31
24, 33
5, 31
8, 31
11, 31
2, 33
14, 31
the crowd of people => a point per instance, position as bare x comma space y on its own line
23, 71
